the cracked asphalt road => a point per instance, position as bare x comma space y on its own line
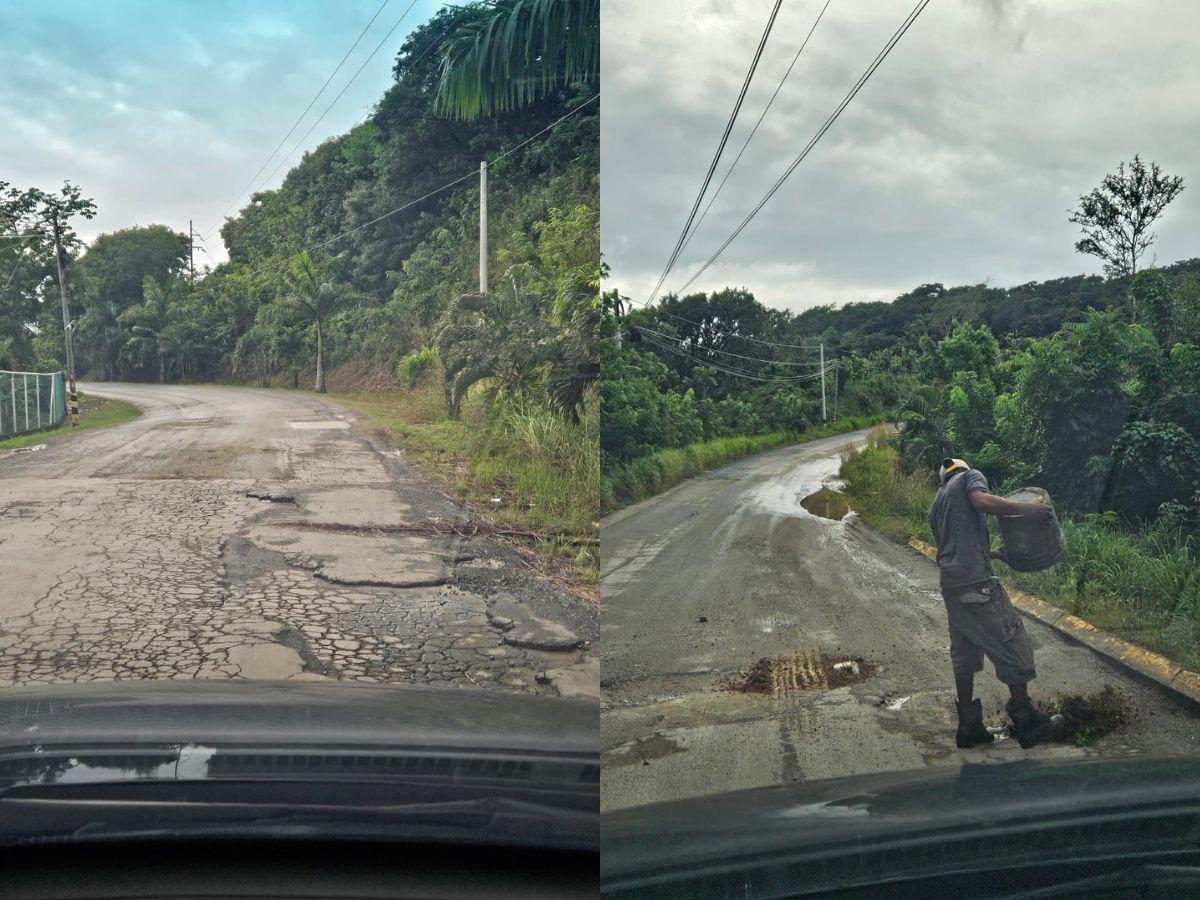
699, 583
235, 532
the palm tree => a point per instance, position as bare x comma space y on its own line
314, 300
100, 335
151, 318
515, 52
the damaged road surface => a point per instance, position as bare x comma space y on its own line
234, 532
755, 633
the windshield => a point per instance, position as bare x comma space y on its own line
297, 364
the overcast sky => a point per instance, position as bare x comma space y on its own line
162, 111
958, 162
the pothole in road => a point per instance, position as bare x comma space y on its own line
1087, 717
641, 751
827, 503
784, 675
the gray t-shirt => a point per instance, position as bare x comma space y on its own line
961, 531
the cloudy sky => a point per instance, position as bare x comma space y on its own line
958, 162
162, 111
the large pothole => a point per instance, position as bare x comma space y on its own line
1087, 717
826, 503
784, 675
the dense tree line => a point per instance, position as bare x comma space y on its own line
297, 298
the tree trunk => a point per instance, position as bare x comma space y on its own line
295, 379
162, 372
320, 362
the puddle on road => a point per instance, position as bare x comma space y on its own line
1088, 717
827, 503
642, 751
783, 675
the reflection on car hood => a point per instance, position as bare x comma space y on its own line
877, 828
457, 759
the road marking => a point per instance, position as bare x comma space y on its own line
319, 426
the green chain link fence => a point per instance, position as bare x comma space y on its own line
30, 400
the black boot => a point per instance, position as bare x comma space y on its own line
1029, 726
971, 730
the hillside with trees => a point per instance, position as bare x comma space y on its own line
360, 271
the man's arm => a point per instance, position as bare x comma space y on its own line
999, 506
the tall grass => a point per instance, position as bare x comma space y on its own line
1142, 584
518, 463
646, 476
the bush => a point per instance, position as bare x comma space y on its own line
414, 365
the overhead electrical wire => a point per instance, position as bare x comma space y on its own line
712, 167
742, 373
706, 347
472, 174
862, 80
300, 118
730, 334
754, 130
345, 88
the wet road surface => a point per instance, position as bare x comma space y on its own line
235, 532
703, 581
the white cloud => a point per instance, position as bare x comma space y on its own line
956, 163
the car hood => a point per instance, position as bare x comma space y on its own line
382, 760
883, 828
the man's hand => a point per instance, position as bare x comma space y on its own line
1000, 553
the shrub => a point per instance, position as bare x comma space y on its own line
414, 365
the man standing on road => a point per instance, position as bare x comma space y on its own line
982, 618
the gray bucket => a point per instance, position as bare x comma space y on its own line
1031, 546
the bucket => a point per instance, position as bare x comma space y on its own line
1031, 545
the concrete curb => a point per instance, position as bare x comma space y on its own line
1165, 672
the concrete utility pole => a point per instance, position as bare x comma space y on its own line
824, 415
837, 377
191, 251
483, 242
66, 311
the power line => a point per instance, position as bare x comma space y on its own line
472, 174
300, 118
863, 79
712, 167
708, 348
754, 130
741, 373
743, 337
345, 88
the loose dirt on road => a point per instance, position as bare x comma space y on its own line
754, 574
236, 532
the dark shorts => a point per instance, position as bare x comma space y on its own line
983, 622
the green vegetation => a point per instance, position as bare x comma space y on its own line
541, 467
365, 260
652, 474
94, 412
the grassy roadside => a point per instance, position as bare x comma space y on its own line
94, 412
632, 482
543, 471
1142, 585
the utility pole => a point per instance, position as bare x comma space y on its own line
73, 397
191, 251
483, 236
824, 415
837, 377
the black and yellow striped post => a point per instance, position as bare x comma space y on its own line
73, 404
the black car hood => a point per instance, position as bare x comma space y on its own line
171, 757
885, 828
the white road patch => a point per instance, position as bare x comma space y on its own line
320, 426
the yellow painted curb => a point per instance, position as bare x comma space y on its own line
1171, 675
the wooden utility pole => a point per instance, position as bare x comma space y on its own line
483, 236
191, 251
72, 396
